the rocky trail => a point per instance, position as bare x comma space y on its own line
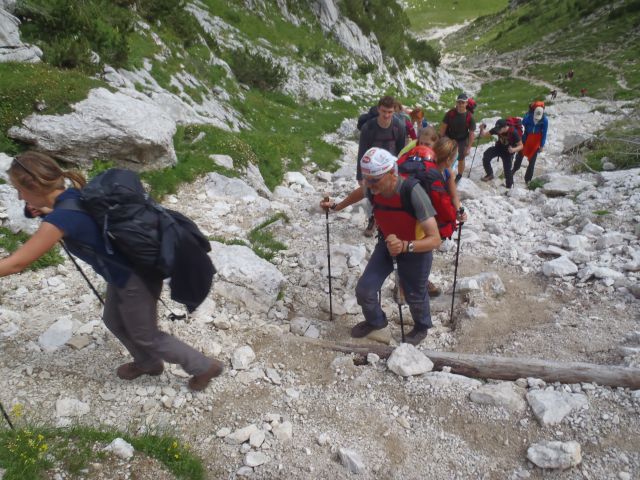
541, 275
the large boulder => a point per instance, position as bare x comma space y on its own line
125, 127
245, 278
11, 47
347, 32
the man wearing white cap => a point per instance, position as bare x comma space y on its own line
535, 125
408, 231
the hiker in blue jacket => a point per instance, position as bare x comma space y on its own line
535, 125
131, 306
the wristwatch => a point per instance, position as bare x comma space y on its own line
410, 247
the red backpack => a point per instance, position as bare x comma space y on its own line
515, 123
419, 163
471, 106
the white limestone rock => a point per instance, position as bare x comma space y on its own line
503, 395
255, 459
71, 407
127, 128
550, 407
11, 47
298, 178
407, 360
444, 379
218, 186
57, 334
120, 448
241, 435
245, 278
555, 455
242, 357
351, 460
468, 190
559, 267
561, 185
224, 161
283, 431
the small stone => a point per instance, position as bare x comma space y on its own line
323, 439
253, 459
256, 439
555, 455
283, 432
351, 460
78, 342
223, 432
120, 448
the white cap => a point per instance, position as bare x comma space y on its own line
377, 161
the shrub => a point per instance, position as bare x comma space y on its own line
257, 71
171, 14
535, 183
337, 89
423, 51
68, 32
364, 68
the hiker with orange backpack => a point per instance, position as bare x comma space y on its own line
535, 125
459, 125
408, 234
509, 142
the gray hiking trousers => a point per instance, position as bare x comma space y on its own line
131, 314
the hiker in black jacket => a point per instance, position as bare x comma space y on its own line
459, 125
383, 129
130, 309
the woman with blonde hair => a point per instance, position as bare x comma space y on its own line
130, 310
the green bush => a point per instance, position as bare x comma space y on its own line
257, 71
68, 32
338, 90
172, 15
423, 51
364, 68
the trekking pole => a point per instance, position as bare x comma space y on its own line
455, 272
326, 216
172, 315
82, 273
400, 296
6, 416
474, 156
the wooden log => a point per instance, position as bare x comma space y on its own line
507, 368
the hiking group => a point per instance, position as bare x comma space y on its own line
134, 244
412, 195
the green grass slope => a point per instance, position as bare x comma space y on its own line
600, 41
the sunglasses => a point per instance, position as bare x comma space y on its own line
373, 180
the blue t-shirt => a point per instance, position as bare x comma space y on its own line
83, 238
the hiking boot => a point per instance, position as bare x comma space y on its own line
487, 178
434, 291
458, 177
362, 329
130, 371
416, 335
371, 227
201, 381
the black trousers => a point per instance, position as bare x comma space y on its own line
528, 175
507, 159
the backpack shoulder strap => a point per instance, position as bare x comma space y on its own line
71, 204
405, 194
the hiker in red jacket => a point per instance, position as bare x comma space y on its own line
459, 125
408, 233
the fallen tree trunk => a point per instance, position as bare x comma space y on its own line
504, 368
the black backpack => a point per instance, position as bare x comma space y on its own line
157, 241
